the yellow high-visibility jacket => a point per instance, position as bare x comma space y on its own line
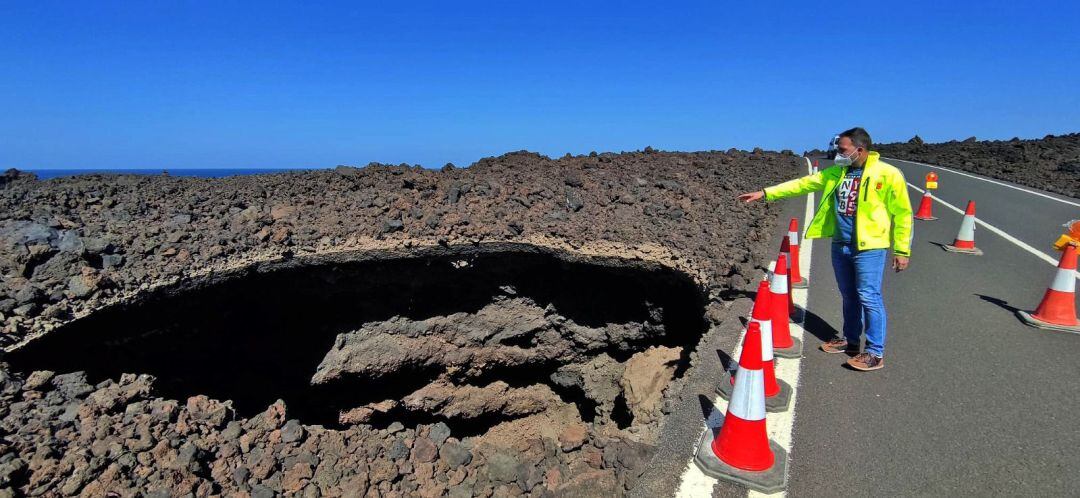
883, 201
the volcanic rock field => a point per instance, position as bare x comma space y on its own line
520, 327
1051, 163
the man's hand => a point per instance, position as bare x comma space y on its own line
900, 263
752, 196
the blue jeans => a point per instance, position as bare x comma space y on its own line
858, 275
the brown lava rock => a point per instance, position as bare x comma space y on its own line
514, 328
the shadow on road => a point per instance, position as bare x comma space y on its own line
999, 302
725, 360
714, 418
818, 327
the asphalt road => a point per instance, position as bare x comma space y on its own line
1031, 218
971, 401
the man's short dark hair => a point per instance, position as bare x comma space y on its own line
859, 137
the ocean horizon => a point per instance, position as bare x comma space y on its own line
45, 173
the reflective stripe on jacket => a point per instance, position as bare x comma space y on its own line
883, 201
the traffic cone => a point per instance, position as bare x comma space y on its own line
965, 239
741, 450
797, 280
1057, 311
815, 165
784, 345
777, 392
784, 247
926, 208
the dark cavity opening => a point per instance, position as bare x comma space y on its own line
256, 336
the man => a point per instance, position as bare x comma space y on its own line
862, 197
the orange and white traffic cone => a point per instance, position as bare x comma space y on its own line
784, 246
797, 280
965, 239
777, 392
1057, 311
926, 208
815, 165
784, 345
741, 450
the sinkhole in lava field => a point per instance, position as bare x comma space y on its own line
330, 334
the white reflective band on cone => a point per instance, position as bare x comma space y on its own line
1064, 281
748, 396
778, 284
793, 238
766, 339
967, 229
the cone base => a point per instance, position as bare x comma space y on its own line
1030, 319
925, 218
767, 481
801, 284
974, 251
794, 351
779, 403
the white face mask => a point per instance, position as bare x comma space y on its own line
842, 160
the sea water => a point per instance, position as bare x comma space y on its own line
44, 174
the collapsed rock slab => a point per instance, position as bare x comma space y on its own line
466, 402
508, 333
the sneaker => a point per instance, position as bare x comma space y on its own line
840, 346
866, 362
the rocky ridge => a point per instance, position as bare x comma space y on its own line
1051, 163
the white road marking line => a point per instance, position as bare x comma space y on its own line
781, 425
695, 483
977, 177
1006, 236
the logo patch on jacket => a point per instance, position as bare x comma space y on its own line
878, 187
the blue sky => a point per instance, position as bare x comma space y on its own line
289, 84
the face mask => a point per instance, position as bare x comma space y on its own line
842, 160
